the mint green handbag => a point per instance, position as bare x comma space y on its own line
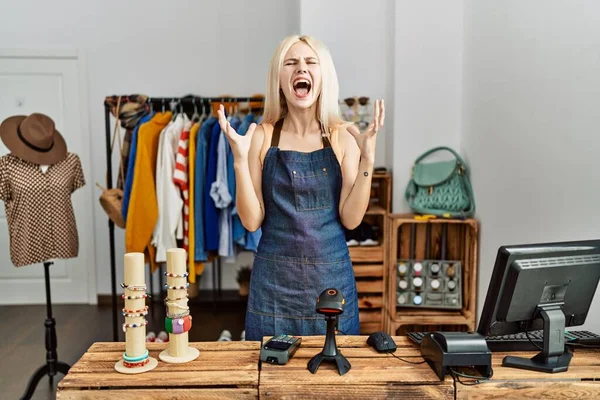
441, 188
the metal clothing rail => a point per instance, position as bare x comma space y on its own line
187, 104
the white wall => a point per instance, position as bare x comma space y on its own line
359, 35
160, 48
427, 84
531, 123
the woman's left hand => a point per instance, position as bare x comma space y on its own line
366, 140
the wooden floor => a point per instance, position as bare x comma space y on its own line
78, 326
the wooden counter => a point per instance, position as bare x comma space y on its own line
223, 370
231, 370
372, 375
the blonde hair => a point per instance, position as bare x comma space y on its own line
328, 111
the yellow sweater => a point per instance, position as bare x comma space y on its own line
143, 209
194, 268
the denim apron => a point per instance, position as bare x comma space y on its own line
303, 249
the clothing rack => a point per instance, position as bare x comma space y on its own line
188, 104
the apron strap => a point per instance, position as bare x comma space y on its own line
277, 134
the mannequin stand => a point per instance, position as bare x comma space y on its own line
53, 366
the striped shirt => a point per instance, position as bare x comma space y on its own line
180, 177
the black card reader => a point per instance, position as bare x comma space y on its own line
444, 350
279, 349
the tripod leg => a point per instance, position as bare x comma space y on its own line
33, 381
342, 363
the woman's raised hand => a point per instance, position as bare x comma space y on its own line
240, 145
366, 140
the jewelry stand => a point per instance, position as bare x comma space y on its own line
52, 366
178, 321
136, 359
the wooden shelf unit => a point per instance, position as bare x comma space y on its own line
370, 262
462, 244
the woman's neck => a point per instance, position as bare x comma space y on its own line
301, 122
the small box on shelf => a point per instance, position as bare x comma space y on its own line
432, 274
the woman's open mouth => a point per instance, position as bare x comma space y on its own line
302, 88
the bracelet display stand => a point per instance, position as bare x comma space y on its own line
136, 359
178, 320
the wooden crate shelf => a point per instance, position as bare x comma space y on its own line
370, 262
461, 245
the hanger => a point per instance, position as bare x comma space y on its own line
204, 115
173, 106
195, 117
163, 106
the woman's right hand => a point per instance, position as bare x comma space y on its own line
240, 145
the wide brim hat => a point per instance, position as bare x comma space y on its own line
33, 138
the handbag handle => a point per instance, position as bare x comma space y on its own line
117, 132
435, 149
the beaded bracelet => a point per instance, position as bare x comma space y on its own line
171, 275
143, 296
178, 325
177, 287
135, 359
135, 288
125, 326
137, 364
135, 315
135, 311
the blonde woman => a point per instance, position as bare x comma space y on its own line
302, 175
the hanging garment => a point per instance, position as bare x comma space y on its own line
194, 267
143, 208
202, 147
169, 225
239, 232
219, 192
38, 206
211, 215
303, 249
131, 165
180, 177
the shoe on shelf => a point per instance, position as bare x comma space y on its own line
368, 234
225, 336
243, 336
162, 335
151, 337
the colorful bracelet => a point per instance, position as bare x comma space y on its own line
134, 311
143, 296
137, 364
125, 326
135, 359
135, 288
178, 325
187, 285
171, 275
135, 315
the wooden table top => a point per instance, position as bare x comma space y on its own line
231, 370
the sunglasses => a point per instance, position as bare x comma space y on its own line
350, 101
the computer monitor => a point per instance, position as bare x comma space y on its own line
546, 286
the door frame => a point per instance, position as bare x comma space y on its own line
86, 227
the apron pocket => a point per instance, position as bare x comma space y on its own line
311, 190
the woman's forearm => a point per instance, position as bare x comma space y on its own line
357, 202
248, 206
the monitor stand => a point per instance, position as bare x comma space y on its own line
554, 357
